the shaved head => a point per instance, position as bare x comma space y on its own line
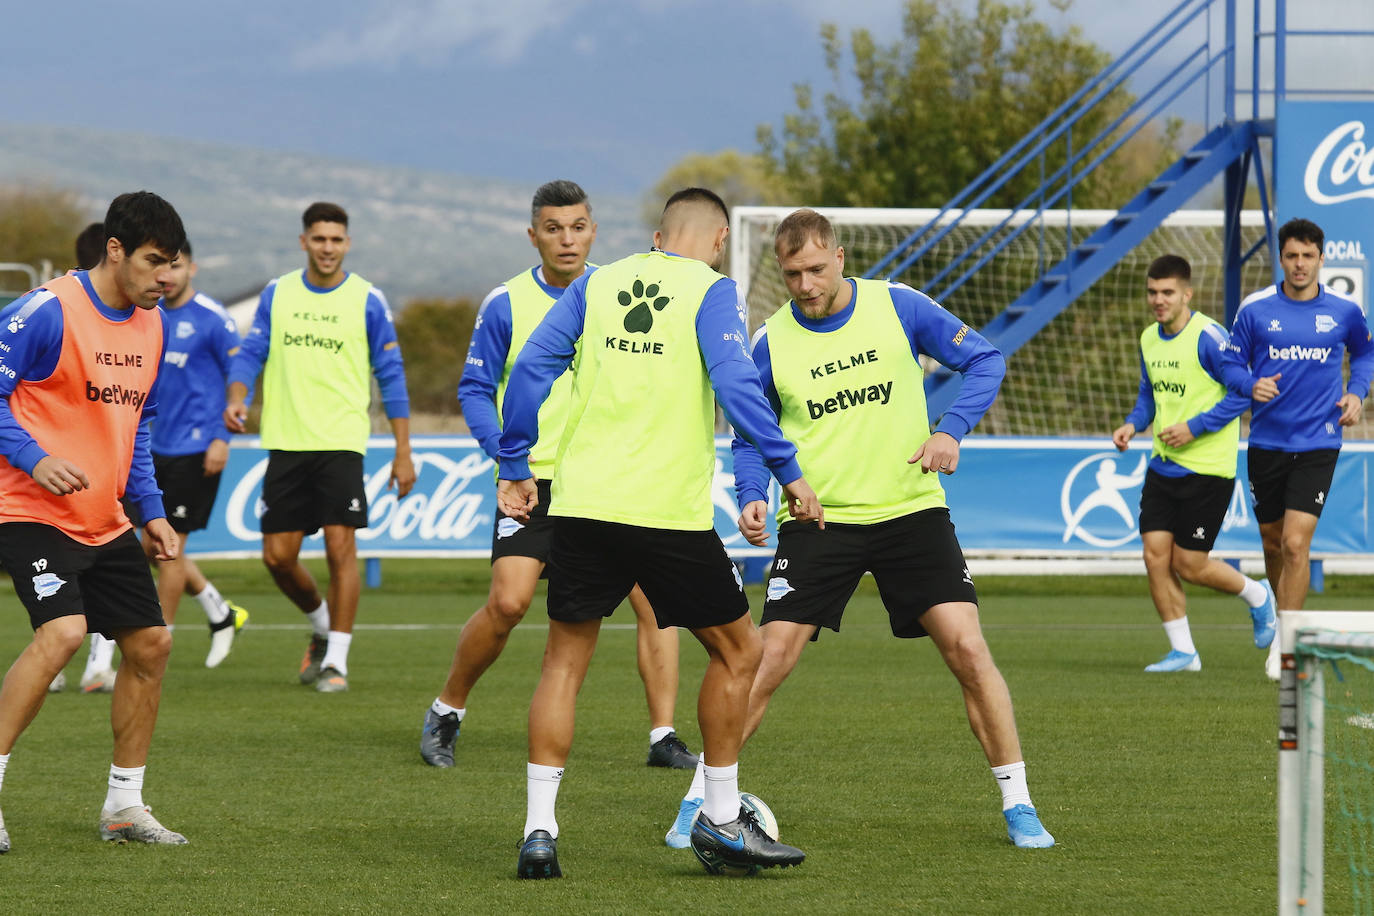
695, 223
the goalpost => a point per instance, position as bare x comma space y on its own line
1326, 736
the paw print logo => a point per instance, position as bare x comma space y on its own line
640, 318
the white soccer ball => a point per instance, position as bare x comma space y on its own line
762, 813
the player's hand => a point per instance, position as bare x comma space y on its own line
517, 497
753, 522
1266, 387
59, 476
802, 502
1122, 435
159, 533
216, 457
402, 474
938, 453
1352, 408
1177, 435
236, 416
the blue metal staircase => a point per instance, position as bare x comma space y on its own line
1183, 46
1059, 286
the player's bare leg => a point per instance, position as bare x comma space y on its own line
138, 691
484, 636
783, 642
567, 655
735, 650
345, 585
281, 552
172, 577
657, 655
955, 630
1165, 588
25, 686
1295, 548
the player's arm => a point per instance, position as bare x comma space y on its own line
735, 381
1361, 349
1236, 359
388, 367
224, 348
933, 331
1212, 345
546, 355
141, 488
1141, 415
30, 346
248, 362
751, 474
486, 360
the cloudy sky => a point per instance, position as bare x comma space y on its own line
610, 92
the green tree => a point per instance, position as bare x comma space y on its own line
39, 223
942, 103
741, 179
434, 336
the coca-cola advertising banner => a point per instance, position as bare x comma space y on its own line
448, 514
1324, 171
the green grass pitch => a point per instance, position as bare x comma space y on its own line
1159, 789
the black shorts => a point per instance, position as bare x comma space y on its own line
512, 538
303, 491
1280, 481
187, 494
686, 575
1191, 508
56, 576
915, 560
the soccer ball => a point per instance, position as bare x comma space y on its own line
762, 813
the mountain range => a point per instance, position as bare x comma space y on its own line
415, 233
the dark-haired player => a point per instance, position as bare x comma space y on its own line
78, 358
318, 336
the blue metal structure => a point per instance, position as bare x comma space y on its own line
1195, 44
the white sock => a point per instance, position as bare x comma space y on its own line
541, 791
319, 619
1180, 637
101, 656
1254, 593
336, 655
442, 709
1011, 779
721, 803
216, 608
4, 762
698, 787
126, 789
658, 734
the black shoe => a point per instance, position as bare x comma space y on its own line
739, 847
437, 738
538, 857
669, 751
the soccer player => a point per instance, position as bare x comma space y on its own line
315, 335
653, 335
1192, 470
190, 444
562, 231
78, 358
1287, 347
840, 365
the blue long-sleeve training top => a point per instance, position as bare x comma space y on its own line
930, 331
486, 361
1304, 342
198, 342
30, 353
720, 337
387, 365
1211, 354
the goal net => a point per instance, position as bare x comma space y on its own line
1326, 762
1078, 376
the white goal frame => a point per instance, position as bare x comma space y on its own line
1301, 739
